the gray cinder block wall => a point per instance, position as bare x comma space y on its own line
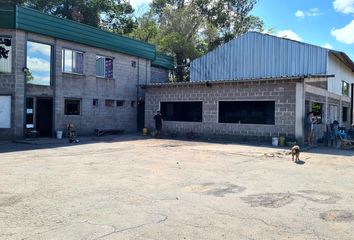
283, 92
159, 75
85, 87
12, 84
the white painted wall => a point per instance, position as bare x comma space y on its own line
341, 72
5, 111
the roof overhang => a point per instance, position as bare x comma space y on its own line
341, 56
209, 83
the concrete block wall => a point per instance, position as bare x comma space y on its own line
282, 92
87, 87
159, 75
13, 84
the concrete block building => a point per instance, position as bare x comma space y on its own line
59, 71
257, 86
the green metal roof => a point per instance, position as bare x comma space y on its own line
163, 61
30, 20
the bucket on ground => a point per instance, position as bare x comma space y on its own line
275, 141
282, 141
59, 134
145, 131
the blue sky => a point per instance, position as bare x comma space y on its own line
328, 23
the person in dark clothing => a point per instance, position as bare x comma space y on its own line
158, 124
309, 128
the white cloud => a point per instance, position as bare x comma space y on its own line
299, 14
344, 6
38, 65
345, 34
327, 45
289, 34
34, 47
313, 12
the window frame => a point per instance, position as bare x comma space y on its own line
72, 60
8, 123
347, 90
104, 66
167, 120
10, 53
72, 99
243, 123
52, 67
106, 101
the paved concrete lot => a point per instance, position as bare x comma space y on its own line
134, 188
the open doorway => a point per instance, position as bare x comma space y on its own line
44, 117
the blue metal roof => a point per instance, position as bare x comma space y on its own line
256, 55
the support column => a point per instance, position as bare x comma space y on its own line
300, 113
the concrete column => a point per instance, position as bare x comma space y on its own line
300, 113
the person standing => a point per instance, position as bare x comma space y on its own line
158, 123
309, 128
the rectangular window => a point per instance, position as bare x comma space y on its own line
104, 67
182, 111
5, 111
95, 102
73, 61
132, 104
109, 103
72, 107
345, 114
120, 103
345, 88
39, 63
5, 55
247, 112
316, 108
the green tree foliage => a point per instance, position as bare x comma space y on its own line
188, 29
114, 15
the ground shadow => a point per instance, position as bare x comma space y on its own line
300, 162
50, 143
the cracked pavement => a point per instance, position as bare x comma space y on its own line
135, 188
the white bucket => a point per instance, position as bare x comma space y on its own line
275, 141
59, 134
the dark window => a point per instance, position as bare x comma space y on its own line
255, 112
182, 111
120, 103
345, 88
132, 104
109, 103
72, 107
345, 114
316, 108
95, 102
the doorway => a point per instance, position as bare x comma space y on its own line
44, 117
39, 116
141, 115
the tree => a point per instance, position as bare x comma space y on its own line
114, 15
188, 29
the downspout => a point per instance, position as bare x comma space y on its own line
351, 106
137, 95
25, 88
54, 82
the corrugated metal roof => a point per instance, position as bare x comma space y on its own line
163, 61
7, 16
274, 78
257, 55
30, 20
